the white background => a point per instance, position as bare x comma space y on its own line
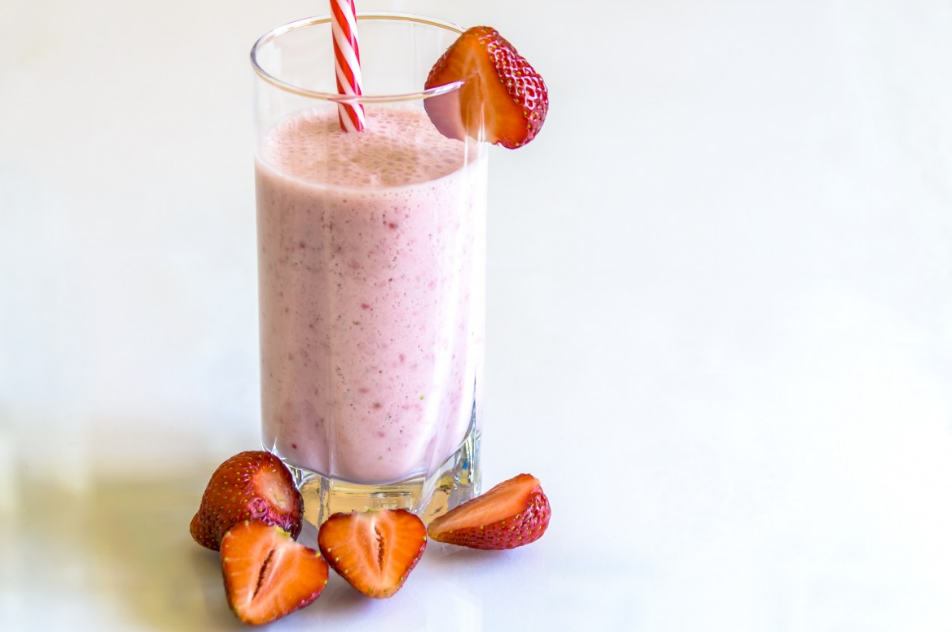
720, 317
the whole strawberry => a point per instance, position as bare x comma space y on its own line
253, 485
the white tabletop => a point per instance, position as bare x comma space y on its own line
719, 320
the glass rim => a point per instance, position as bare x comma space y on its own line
284, 29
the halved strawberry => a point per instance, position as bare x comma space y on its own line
267, 574
373, 550
508, 98
248, 486
511, 514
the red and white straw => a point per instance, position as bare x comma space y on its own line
347, 63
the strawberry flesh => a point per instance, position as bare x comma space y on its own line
252, 485
374, 551
267, 574
503, 100
513, 513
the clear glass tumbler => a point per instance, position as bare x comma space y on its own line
371, 262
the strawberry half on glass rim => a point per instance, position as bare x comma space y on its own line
502, 96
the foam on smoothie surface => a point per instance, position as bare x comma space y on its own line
398, 147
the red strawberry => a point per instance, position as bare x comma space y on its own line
511, 514
508, 99
267, 574
373, 550
248, 486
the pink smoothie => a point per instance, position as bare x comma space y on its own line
372, 291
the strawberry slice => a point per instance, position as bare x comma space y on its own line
248, 486
508, 100
267, 574
511, 514
373, 550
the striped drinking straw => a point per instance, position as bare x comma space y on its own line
347, 63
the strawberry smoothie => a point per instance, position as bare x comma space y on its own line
372, 291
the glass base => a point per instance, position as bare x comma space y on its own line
455, 482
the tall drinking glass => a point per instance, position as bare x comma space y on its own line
371, 271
